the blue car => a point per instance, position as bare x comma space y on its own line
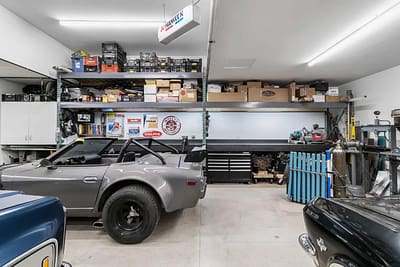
32, 230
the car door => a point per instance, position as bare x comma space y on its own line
77, 186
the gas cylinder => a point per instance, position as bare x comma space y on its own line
339, 169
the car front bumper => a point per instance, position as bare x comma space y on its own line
308, 247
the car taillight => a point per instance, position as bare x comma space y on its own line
191, 182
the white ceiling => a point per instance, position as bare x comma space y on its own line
283, 35
276, 38
44, 14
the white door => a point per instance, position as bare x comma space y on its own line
42, 123
14, 122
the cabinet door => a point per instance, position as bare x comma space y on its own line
14, 122
42, 123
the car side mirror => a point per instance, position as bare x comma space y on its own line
47, 163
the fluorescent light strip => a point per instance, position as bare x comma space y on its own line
320, 56
236, 67
110, 23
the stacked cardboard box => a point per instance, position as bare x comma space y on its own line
150, 91
164, 92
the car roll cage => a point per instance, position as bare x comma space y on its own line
145, 148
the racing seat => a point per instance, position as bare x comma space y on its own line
129, 156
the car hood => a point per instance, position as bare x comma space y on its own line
386, 208
369, 226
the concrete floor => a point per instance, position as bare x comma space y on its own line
235, 225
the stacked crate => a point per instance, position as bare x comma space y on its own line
148, 62
178, 65
132, 65
114, 57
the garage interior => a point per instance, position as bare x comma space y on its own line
291, 100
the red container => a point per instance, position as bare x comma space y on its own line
110, 68
91, 61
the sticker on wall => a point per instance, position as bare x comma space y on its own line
134, 130
115, 125
171, 125
134, 120
151, 121
152, 134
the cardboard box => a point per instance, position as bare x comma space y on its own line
318, 98
190, 84
214, 88
163, 91
332, 99
254, 84
174, 92
333, 91
305, 92
226, 97
175, 84
112, 91
166, 98
150, 82
234, 84
150, 89
293, 86
268, 95
112, 98
162, 83
242, 89
150, 98
188, 95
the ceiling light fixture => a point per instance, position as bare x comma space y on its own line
110, 23
340, 43
236, 67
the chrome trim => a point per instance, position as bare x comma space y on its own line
33, 250
308, 247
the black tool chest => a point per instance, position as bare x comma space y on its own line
229, 167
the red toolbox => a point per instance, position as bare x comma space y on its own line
110, 68
91, 61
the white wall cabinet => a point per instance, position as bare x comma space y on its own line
28, 123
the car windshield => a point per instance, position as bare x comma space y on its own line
89, 146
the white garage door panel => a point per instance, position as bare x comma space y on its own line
261, 125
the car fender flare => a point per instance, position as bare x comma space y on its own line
160, 192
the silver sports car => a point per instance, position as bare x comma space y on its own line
126, 184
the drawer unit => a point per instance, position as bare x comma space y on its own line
229, 167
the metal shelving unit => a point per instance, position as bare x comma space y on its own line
245, 106
129, 75
131, 105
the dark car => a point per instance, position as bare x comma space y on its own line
353, 232
32, 230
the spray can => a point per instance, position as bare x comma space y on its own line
339, 168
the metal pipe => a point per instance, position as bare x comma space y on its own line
98, 224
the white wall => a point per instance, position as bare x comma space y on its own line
7, 87
261, 125
382, 91
25, 45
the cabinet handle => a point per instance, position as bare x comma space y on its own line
30, 138
26, 138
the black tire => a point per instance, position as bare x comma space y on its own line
131, 214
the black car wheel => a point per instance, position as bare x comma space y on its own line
340, 261
131, 214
